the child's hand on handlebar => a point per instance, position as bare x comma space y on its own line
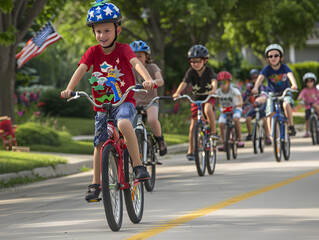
294, 87
254, 90
176, 95
148, 85
66, 93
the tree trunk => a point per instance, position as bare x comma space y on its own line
7, 81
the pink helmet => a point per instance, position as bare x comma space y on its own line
224, 75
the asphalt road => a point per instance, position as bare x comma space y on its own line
252, 197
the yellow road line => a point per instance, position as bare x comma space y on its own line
191, 216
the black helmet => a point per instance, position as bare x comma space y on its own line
198, 51
253, 72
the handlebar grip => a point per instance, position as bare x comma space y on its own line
138, 86
73, 94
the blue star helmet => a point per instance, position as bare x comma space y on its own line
103, 12
140, 46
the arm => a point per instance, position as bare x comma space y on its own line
214, 86
159, 81
77, 76
240, 101
139, 67
293, 81
180, 88
259, 80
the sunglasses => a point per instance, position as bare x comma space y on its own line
195, 61
222, 82
275, 56
309, 80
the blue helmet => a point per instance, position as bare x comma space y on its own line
140, 46
253, 72
103, 12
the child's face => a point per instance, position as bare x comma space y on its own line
310, 83
224, 85
253, 78
197, 63
142, 56
273, 57
105, 33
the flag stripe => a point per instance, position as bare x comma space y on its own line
36, 45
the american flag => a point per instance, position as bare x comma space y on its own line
36, 45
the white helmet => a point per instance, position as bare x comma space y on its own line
274, 47
309, 75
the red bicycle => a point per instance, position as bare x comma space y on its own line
116, 171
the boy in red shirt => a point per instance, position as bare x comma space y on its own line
112, 65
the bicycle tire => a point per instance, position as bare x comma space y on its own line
286, 143
151, 164
227, 143
261, 138
313, 130
276, 139
255, 139
112, 195
134, 196
234, 142
199, 149
211, 157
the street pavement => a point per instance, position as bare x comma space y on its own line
252, 197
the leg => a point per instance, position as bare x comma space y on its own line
96, 164
221, 129
209, 112
191, 136
288, 113
248, 124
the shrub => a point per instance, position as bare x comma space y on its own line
35, 133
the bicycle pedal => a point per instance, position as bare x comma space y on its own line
159, 163
94, 200
142, 179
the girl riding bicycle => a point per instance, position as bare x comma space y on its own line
230, 97
143, 53
112, 74
279, 77
310, 96
203, 81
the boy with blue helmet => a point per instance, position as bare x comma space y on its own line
143, 52
112, 70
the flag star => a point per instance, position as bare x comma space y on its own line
116, 8
98, 8
122, 83
107, 11
115, 16
118, 61
98, 17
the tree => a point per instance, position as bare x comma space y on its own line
16, 18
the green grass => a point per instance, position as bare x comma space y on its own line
11, 162
77, 126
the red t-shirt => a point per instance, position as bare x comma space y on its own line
112, 73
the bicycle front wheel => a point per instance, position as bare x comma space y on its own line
277, 141
199, 146
211, 157
150, 164
286, 143
314, 130
112, 195
255, 137
134, 196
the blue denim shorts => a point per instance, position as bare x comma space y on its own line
236, 114
125, 111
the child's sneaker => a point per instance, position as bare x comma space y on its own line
240, 144
140, 172
248, 138
306, 135
190, 156
291, 131
161, 145
214, 136
268, 141
221, 148
93, 192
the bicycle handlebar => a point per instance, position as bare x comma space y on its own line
78, 94
195, 102
282, 95
154, 99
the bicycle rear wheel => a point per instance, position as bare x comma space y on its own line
286, 143
227, 143
112, 195
314, 130
150, 164
134, 196
211, 157
277, 141
199, 147
255, 137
